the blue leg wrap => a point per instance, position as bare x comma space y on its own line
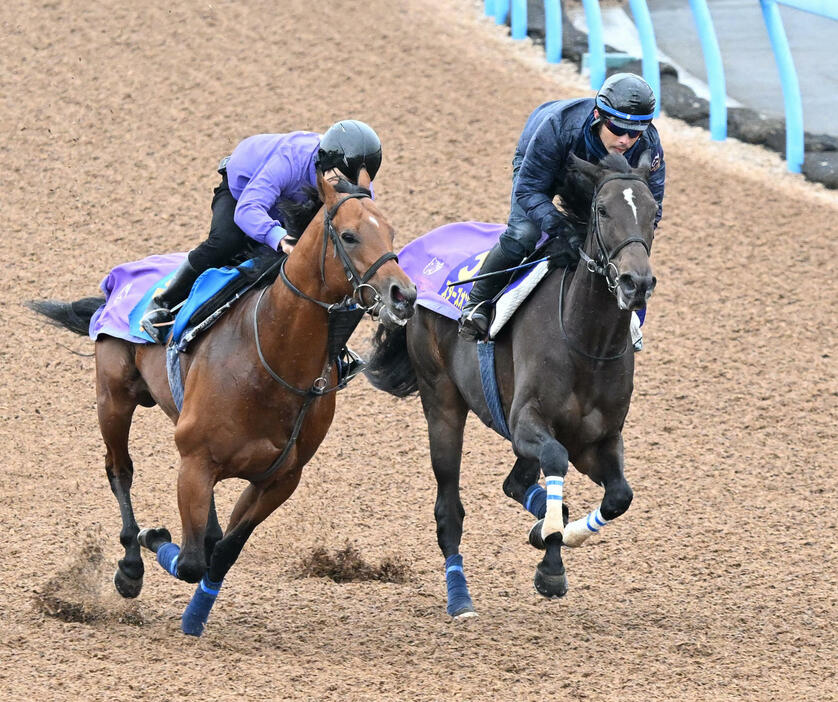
167, 556
535, 501
459, 600
197, 612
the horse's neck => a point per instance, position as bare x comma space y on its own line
293, 331
591, 316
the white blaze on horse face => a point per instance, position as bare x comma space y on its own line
553, 521
375, 221
628, 194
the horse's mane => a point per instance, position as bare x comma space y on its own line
576, 192
296, 216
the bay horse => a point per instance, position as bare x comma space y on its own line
258, 391
564, 366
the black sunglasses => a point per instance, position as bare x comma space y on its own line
619, 131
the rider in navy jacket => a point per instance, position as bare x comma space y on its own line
617, 120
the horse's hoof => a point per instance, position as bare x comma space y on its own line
464, 613
535, 536
152, 539
550, 586
128, 588
191, 626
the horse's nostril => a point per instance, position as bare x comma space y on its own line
396, 295
401, 296
627, 282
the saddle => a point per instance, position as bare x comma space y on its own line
443, 260
215, 291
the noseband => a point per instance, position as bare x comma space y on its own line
603, 264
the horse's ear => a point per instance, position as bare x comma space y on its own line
325, 189
589, 170
364, 179
644, 165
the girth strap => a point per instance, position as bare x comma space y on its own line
488, 379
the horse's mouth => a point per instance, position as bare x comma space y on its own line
390, 319
632, 295
397, 305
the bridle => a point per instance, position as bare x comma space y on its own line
359, 282
602, 264
348, 311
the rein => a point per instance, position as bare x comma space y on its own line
602, 264
351, 309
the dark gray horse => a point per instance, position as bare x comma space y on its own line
565, 369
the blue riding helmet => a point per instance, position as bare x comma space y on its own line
626, 100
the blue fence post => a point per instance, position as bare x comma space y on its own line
789, 82
501, 11
651, 68
518, 20
596, 46
715, 69
553, 31
488, 7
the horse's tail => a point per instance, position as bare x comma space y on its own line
389, 368
74, 316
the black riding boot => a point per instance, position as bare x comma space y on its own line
158, 318
477, 313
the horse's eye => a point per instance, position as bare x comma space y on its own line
601, 211
349, 238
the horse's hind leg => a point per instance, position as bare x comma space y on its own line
116, 401
446, 411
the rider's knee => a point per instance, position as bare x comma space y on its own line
519, 239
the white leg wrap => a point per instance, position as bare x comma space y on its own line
553, 521
577, 532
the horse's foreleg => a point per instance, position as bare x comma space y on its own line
115, 407
253, 507
604, 465
194, 496
533, 441
213, 533
446, 413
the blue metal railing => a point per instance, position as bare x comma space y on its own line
596, 44
715, 69
788, 75
516, 12
649, 48
553, 31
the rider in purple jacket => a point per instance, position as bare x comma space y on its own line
618, 120
262, 170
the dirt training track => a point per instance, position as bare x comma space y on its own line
718, 584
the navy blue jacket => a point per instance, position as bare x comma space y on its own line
554, 130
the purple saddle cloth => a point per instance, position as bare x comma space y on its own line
445, 255
124, 287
